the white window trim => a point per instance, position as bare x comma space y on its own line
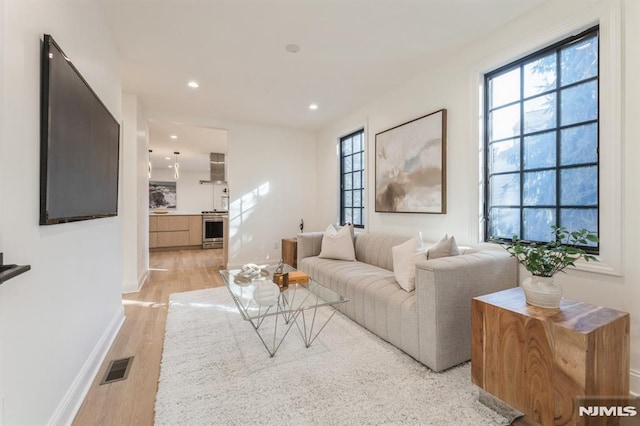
609, 17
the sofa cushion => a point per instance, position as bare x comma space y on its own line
337, 244
445, 247
375, 249
376, 301
405, 256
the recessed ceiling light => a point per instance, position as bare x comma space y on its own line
170, 166
173, 137
313, 107
167, 158
292, 48
193, 84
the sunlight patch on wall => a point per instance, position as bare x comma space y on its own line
240, 210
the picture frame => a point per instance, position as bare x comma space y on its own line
410, 166
162, 195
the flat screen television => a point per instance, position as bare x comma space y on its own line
79, 145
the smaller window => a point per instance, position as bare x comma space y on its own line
352, 161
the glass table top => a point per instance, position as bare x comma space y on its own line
257, 296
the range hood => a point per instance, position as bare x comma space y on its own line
217, 168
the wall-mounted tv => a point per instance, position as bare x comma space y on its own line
79, 145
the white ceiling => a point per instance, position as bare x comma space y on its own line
351, 52
193, 143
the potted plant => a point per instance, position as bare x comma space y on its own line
545, 260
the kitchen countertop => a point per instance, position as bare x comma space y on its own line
175, 213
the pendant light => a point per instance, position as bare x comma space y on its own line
150, 151
176, 166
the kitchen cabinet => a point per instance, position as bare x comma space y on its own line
153, 240
195, 230
173, 223
175, 231
173, 239
153, 223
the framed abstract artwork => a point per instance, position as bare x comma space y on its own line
411, 166
162, 195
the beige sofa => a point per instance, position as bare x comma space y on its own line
432, 323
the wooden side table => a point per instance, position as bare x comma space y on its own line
290, 251
540, 360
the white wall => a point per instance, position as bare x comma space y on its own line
3, 324
220, 191
192, 197
135, 177
272, 178
453, 85
142, 204
59, 318
627, 289
271, 174
127, 208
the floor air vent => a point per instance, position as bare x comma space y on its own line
118, 370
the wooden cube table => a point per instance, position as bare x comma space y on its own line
290, 251
540, 360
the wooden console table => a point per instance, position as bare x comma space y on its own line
540, 360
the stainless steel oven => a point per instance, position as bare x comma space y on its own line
213, 229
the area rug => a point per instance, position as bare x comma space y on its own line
215, 371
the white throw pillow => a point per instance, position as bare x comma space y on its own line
337, 244
346, 225
405, 256
445, 247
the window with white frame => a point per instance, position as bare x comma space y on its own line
541, 142
352, 162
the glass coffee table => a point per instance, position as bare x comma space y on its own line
273, 309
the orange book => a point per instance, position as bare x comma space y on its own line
294, 277
298, 277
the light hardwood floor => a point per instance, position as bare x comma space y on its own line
131, 401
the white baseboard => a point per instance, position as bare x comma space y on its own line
142, 278
135, 286
76, 393
634, 384
129, 287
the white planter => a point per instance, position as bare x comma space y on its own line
542, 291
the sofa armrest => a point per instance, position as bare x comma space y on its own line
444, 289
309, 244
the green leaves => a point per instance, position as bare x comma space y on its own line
547, 259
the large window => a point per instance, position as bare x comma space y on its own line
541, 124
352, 179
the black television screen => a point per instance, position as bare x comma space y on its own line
79, 145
